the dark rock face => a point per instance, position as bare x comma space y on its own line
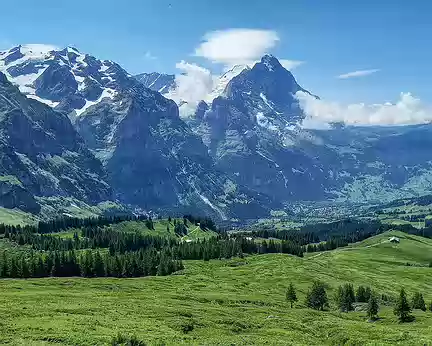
154, 160
43, 152
56, 83
249, 133
13, 195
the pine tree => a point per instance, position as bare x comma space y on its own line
373, 307
345, 297
316, 297
361, 294
367, 294
402, 308
24, 269
418, 302
98, 265
4, 266
86, 264
162, 268
13, 270
291, 295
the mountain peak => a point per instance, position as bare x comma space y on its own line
270, 62
62, 77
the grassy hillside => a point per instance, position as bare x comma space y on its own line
163, 227
16, 217
232, 302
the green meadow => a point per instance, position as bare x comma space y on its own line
227, 302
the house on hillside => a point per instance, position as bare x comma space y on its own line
394, 240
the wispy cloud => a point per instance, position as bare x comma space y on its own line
236, 46
405, 111
359, 73
291, 64
149, 56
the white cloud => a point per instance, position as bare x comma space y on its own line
359, 73
192, 85
407, 110
291, 64
236, 46
149, 56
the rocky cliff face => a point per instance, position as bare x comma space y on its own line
42, 154
154, 160
252, 133
155, 81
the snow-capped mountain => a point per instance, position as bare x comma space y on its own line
222, 82
42, 155
160, 82
65, 79
241, 154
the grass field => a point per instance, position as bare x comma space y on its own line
16, 217
163, 227
229, 302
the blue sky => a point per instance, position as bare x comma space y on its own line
331, 37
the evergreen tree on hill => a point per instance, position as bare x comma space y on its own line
316, 297
418, 302
402, 308
291, 295
98, 265
345, 298
373, 307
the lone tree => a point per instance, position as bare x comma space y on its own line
402, 308
291, 295
430, 306
418, 302
316, 297
373, 307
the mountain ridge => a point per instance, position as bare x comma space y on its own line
242, 153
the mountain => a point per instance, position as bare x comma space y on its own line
222, 82
64, 79
152, 159
42, 155
155, 81
243, 153
252, 133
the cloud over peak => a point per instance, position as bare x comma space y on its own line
359, 73
290, 64
236, 46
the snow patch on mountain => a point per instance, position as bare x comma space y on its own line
220, 83
106, 93
65, 77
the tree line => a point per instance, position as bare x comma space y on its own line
88, 263
345, 297
220, 246
64, 223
